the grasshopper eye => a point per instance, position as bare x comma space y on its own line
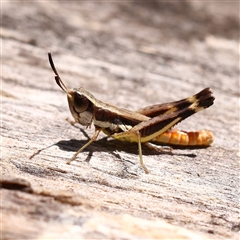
81, 103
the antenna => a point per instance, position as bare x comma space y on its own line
57, 77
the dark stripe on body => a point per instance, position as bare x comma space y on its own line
104, 115
204, 98
160, 109
159, 122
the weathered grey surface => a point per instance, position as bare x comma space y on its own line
131, 55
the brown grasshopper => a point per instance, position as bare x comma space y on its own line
150, 124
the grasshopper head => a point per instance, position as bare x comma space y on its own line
80, 106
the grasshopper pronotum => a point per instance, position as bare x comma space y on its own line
153, 123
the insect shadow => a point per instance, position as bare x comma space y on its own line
111, 145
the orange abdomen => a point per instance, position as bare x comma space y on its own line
182, 138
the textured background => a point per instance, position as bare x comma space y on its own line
131, 55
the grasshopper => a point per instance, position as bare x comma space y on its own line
151, 124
